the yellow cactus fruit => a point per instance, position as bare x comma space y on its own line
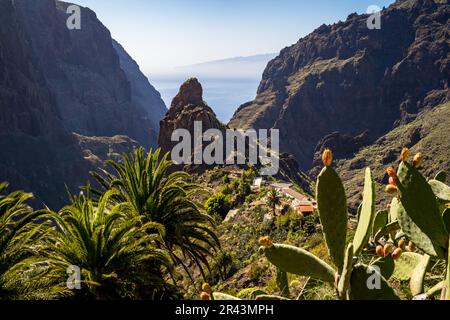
380, 251
391, 189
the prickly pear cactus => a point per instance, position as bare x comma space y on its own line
266, 297
299, 261
441, 176
418, 276
282, 282
386, 265
419, 201
393, 210
387, 231
414, 233
223, 296
332, 206
446, 218
405, 265
440, 190
367, 284
381, 220
344, 281
367, 214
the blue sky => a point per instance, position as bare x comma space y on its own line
161, 34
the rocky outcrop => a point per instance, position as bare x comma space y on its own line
186, 108
346, 78
55, 81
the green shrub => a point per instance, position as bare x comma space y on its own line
218, 204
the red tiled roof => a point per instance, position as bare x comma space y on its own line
308, 208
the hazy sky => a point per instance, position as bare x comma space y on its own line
161, 34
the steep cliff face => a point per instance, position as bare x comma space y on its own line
346, 78
53, 82
83, 71
187, 107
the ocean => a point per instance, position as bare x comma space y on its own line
224, 95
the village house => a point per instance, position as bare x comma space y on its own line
301, 203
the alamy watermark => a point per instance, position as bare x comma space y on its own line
374, 20
74, 279
235, 147
73, 22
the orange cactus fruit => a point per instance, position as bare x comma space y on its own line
265, 242
401, 244
391, 172
404, 156
397, 253
204, 296
327, 157
380, 251
418, 160
387, 249
391, 189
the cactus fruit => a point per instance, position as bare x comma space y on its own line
364, 228
418, 275
391, 172
204, 296
300, 262
363, 288
327, 157
380, 251
404, 155
420, 204
440, 190
206, 288
388, 249
411, 246
332, 207
417, 161
265, 242
401, 244
391, 189
397, 253
392, 181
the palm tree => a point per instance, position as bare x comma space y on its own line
115, 255
17, 233
273, 199
145, 185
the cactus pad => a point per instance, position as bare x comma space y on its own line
418, 275
405, 265
441, 176
344, 281
223, 296
332, 206
386, 265
440, 190
381, 220
367, 214
300, 262
359, 289
282, 282
419, 201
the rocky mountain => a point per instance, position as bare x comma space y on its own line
429, 134
55, 82
346, 86
186, 108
